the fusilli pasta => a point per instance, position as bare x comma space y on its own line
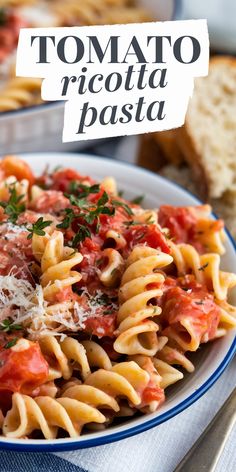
100, 304
18, 92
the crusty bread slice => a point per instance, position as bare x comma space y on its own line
208, 138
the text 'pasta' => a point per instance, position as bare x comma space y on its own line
120, 79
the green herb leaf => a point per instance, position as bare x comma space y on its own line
81, 190
67, 220
103, 299
13, 208
137, 200
76, 201
83, 232
89, 211
11, 343
38, 228
8, 325
126, 207
107, 211
103, 199
204, 266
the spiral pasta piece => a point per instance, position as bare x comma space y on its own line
125, 379
140, 285
67, 356
147, 363
208, 231
206, 269
169, 375
116, 238
57, 261
47, 415
172, 354
111, 274
227, 316
92, 396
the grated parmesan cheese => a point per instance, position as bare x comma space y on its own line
81, 314
93, 306
18, 298
11, 231
26, 306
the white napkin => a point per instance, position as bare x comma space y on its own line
160, 449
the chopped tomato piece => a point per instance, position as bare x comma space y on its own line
183, 225
91, 244
101, 326
153, 393
193, 301
88, 268
64, 295
22, 367
180, 221
12, 165
15, 252
149, 234
62, 178
114, 222
50, 201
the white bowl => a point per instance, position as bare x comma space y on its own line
211, 359
39, 128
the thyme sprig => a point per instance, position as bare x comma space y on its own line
83, 190
8, 325
10, 343
14, 206
137, 200
38, 227
89, 211
118, 203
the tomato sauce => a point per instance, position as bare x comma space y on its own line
185, 298
24, 369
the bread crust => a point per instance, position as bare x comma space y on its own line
192, 157
187, 143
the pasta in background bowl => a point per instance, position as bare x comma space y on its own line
140, 274
27, 124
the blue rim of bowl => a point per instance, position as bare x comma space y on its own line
132, 431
